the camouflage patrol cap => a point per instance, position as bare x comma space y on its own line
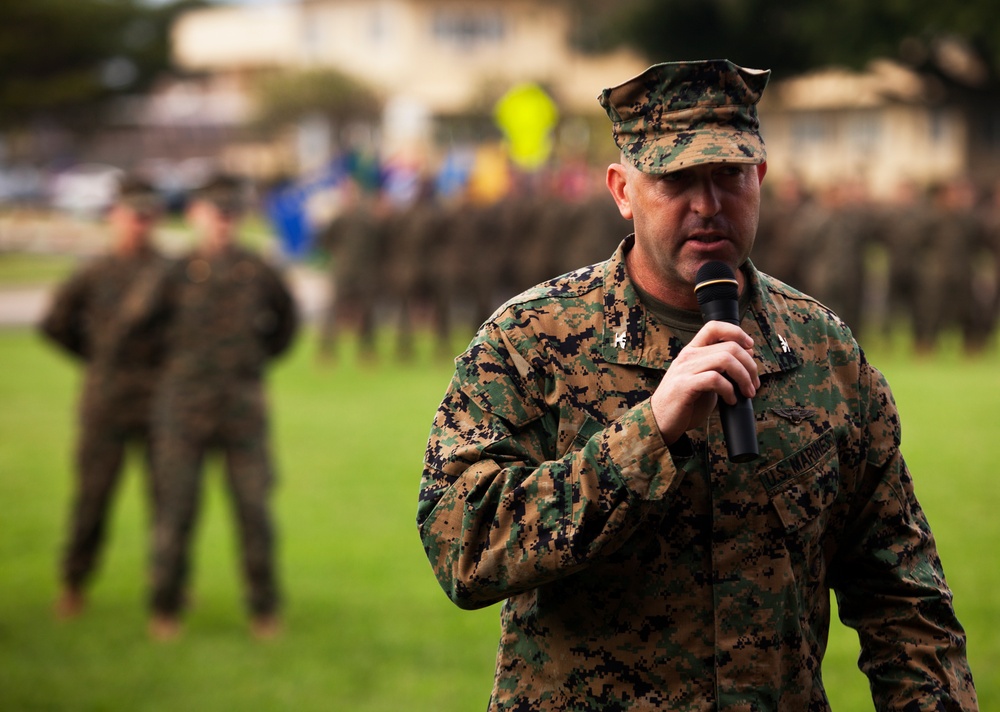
680, 114
139, 195
226, 192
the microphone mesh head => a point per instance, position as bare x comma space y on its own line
715, 280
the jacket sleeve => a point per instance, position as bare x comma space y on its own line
890, 583
499, 512
280, 321
64, 322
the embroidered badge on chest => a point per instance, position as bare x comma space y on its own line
795, 415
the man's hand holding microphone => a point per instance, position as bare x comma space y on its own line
717, 363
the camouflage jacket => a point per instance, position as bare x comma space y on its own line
224, 317
97, 316
641, 577
93, 313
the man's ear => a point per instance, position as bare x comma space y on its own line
761, 171
617, 181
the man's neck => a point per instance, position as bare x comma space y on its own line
673, 296
128, 249
214, 248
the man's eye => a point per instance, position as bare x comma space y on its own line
674, 177
730, 169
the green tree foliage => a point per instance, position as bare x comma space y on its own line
284, 97
791, 37
64, 57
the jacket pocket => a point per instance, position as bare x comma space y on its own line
571, 441
803, 485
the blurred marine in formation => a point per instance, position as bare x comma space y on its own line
94, 317
444, 264
225, 313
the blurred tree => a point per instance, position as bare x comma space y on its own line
60, 59
795, 37
286, 97
598, 25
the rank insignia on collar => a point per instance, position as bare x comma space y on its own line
795, 415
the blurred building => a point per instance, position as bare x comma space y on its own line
884, 127
443, 53
428, 60
436, 61
438, 68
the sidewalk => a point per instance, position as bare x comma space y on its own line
22, 306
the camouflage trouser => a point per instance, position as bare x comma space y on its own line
234, 424
100, 455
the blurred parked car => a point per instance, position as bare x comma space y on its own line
22, 185
86, 189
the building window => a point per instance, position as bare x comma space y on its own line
809, 130
313, 36
864, 130
467, 28
938, 126
378, 25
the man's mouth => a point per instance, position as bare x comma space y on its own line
707, 238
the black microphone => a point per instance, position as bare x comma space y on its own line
718, 298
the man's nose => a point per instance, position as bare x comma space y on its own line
705, 201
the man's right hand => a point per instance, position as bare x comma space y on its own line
697, 378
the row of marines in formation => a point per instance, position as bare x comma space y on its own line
174, 354
925, 264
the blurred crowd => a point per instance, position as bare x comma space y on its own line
927, 261
449, 264
407, 248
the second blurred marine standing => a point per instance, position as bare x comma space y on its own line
225, 313
91, 318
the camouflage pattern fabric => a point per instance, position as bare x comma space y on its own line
91, 317
640, 577
225, 316
681, 114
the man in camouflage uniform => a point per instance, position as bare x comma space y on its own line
577, 468
355, 241
91, 318
901, 232
226, 313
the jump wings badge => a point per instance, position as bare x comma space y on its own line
795, 414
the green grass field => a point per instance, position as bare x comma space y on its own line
19, 269
367, 627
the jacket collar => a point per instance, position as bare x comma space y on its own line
631, 337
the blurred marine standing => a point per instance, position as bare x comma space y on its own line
225, 313
93, 317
